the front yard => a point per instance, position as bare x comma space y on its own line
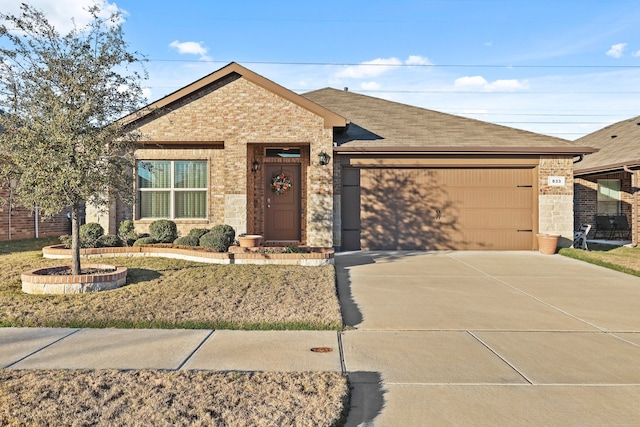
165, 293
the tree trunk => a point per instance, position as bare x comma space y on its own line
75, 240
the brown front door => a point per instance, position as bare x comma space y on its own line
282, 211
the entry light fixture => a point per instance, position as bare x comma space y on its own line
255, 166
323, 158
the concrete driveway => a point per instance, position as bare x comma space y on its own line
489, 338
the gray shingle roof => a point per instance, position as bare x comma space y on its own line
377, 122
619, 145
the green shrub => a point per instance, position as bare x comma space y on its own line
89, 234
187, 241
66, 240
109, 241
144, 241
198, 232
126, 232
215, 240
227, 231
163, 230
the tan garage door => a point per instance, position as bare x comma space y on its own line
438, 209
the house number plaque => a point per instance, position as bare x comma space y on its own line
556, 181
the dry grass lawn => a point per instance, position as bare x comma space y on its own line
626, 260
153, 398
165, 293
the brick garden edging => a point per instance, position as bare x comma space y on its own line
317, 256
40, 281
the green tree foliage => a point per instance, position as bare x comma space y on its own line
62, 97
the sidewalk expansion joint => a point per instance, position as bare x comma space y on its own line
42, 348
343, 366
205, 339
501, 358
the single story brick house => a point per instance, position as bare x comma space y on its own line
335, 168
606, 182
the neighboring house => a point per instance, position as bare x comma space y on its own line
606, 183
21, 223
365, 173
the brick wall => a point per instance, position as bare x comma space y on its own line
245, 118
23, 222
555, 203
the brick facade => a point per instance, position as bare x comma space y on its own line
229, 123
23, 222
555, 202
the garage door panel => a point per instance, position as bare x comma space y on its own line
438, 209
495, 219
496, 198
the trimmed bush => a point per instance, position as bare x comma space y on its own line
109, 241
126, 232
227, 231
144, 241
187, 241
198, 232
163, 230
89, 234
66, 240
215, 240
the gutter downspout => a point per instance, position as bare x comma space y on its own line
36, 220
580, 158
634, 185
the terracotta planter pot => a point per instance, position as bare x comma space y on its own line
548, 243
249, 241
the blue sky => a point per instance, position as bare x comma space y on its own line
562, 67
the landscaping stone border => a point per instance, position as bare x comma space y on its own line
40, 281
316, 256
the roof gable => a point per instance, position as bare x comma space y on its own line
382, 125
331, 119
619, 146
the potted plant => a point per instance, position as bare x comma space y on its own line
547, 243
249, 240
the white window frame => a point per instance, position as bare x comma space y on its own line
172, 190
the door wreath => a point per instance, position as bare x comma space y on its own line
280, 183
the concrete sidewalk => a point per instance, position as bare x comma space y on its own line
172, 349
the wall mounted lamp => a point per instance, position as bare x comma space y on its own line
255, 166
323, 158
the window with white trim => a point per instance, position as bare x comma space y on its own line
608, 196
172, 189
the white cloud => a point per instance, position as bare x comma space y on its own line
616, 50
636, 53
369, 68
417, 60
191, 48
480, 83
59, 13
468, 82
379, 66
370, 85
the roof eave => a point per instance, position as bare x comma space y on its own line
607, 168
570, 151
